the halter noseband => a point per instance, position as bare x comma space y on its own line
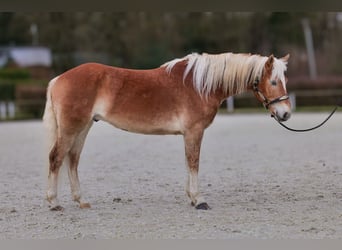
265, 101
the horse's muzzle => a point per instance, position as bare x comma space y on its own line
282, 117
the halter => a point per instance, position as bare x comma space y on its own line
265, 101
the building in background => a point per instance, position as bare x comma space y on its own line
36, 59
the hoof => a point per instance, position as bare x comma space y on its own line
203, 206
84, 205
57, 208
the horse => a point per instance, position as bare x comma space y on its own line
180, 97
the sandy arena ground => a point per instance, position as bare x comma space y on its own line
260, 180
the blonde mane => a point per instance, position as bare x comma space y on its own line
232, 72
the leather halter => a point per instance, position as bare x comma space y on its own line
265, 101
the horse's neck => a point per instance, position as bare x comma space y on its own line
221, 94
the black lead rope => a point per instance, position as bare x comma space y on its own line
308, 129
267, 103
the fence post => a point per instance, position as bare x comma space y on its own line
7, 109
309, 48
230, 104
3, 110
11, 109
292, 97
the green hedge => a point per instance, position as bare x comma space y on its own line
8, 86
8, 80
14, 74
7, 91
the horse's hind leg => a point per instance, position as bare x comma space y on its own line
56, 158
74, 156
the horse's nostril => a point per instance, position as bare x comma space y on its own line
286, 116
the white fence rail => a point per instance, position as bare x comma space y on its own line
7, 110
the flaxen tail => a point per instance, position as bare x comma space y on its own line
49, 118
51, 126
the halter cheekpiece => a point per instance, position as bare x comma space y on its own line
265, 101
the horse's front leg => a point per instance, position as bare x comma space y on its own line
193, 140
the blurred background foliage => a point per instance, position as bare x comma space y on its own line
145, 40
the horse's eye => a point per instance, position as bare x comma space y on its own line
274, 83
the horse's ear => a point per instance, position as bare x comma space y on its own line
285, 58
269, 64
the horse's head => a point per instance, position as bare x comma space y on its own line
271, 88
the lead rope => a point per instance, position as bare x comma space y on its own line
308, 129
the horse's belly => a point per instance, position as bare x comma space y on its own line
142, 112
147, 126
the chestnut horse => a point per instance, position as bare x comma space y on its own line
180, 97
